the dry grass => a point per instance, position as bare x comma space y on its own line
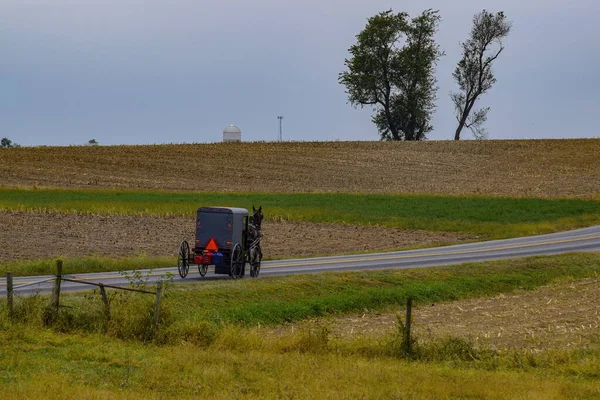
560, 316
265, 362
259, 362
541, 168
93, 368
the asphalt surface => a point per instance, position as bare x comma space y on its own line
580, 240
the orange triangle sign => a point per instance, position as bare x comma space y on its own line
212, 245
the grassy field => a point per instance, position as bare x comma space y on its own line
495, 217
45, 365
232, 339
75, 265
284, 299
213, 343
517, 168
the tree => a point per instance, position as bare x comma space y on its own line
93, 142
393, 69
6, 142
474, 71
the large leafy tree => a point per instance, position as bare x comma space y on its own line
473, 74
392, 68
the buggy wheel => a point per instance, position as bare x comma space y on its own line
202, 268
183, 261
254, 262
236, 262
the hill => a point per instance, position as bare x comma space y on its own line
531, 168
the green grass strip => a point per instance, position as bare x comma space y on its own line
494, 217
85, 264
293, 298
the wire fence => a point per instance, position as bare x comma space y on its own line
59, 277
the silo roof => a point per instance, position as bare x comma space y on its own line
232, 129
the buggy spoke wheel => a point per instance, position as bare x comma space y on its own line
202, 269
236, 261
183, 260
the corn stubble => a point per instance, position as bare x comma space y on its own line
540, 168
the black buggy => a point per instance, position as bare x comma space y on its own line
227, 238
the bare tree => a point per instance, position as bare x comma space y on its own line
474, 71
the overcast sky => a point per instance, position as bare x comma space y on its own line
126, 72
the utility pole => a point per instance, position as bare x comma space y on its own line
280, 118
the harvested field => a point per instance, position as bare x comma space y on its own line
560, 316
27, 236
540, 168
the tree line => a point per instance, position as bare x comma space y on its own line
6, 143
392, 69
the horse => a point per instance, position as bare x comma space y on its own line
254, 226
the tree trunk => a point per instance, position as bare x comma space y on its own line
411, 128
460, 127
463, 118
393, 129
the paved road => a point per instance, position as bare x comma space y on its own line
580, 240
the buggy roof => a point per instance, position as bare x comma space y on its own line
227, 210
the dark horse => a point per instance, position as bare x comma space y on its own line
254, 226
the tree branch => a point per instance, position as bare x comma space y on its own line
492, 59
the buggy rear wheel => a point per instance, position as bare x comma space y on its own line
236, 262
202, 269
183, 261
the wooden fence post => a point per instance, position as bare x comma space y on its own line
9, 294
105, 301
407, 327
56, 290
159, 288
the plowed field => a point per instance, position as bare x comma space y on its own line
540, 168
26, 236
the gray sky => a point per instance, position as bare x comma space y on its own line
126, 71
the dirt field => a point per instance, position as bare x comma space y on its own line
564, 315
544, 168
29, 235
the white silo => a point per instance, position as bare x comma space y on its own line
232, 134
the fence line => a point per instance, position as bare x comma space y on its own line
407, 327
9, 294
32, 283
108, 286
55, 301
